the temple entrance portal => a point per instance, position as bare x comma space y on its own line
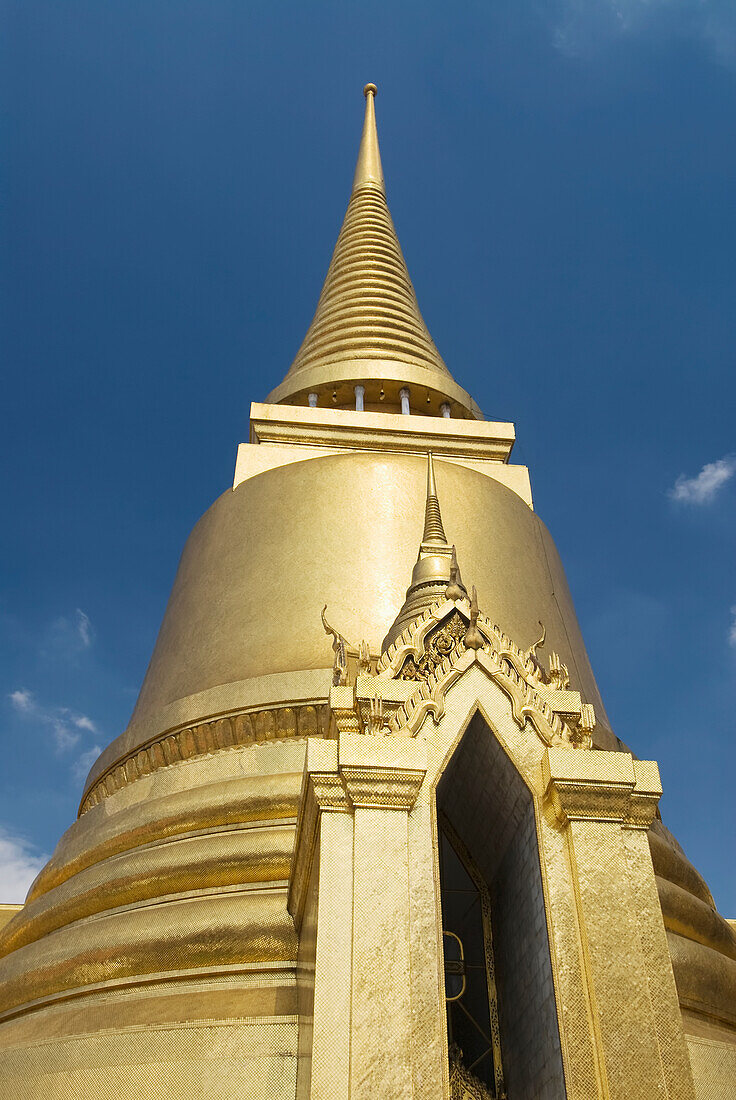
501, 1010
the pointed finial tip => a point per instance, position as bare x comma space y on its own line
370, 89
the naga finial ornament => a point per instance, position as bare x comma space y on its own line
364, 658
539, 644
375, 716
339, 648
531, 655
558, 676
473, 638
454, 590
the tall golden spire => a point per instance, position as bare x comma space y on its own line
435, 567
368, 170
367, 329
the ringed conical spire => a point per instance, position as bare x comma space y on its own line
433, 529
367, 329
436, 566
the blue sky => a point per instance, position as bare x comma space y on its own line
563, 180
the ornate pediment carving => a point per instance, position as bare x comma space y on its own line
440, 643
444, 636
417, 670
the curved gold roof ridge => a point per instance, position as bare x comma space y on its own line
367, 325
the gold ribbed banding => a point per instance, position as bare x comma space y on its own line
433, 528
671, 864
367, 308
219, 860
705, 979
216, 929
690, 917
102, 835
129, 886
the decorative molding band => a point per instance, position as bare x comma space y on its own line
382, 788
210, 736
328, 792
602, 786
366, 431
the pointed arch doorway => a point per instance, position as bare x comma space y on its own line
503, 1034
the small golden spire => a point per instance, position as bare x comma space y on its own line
368, 170
433, 569
433, 529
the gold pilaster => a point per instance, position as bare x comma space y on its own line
349, 897
604, 802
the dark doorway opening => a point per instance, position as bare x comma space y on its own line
470, 988
492, 892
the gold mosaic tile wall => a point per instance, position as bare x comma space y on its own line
252, 1059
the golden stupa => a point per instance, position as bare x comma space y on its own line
360, 841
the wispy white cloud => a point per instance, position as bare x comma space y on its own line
20, 862
702, 488
22, 700
84, 628
66, 725
83, 763
581, 27
732, 628
82, 722
68, 636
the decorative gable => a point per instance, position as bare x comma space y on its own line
413, 676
